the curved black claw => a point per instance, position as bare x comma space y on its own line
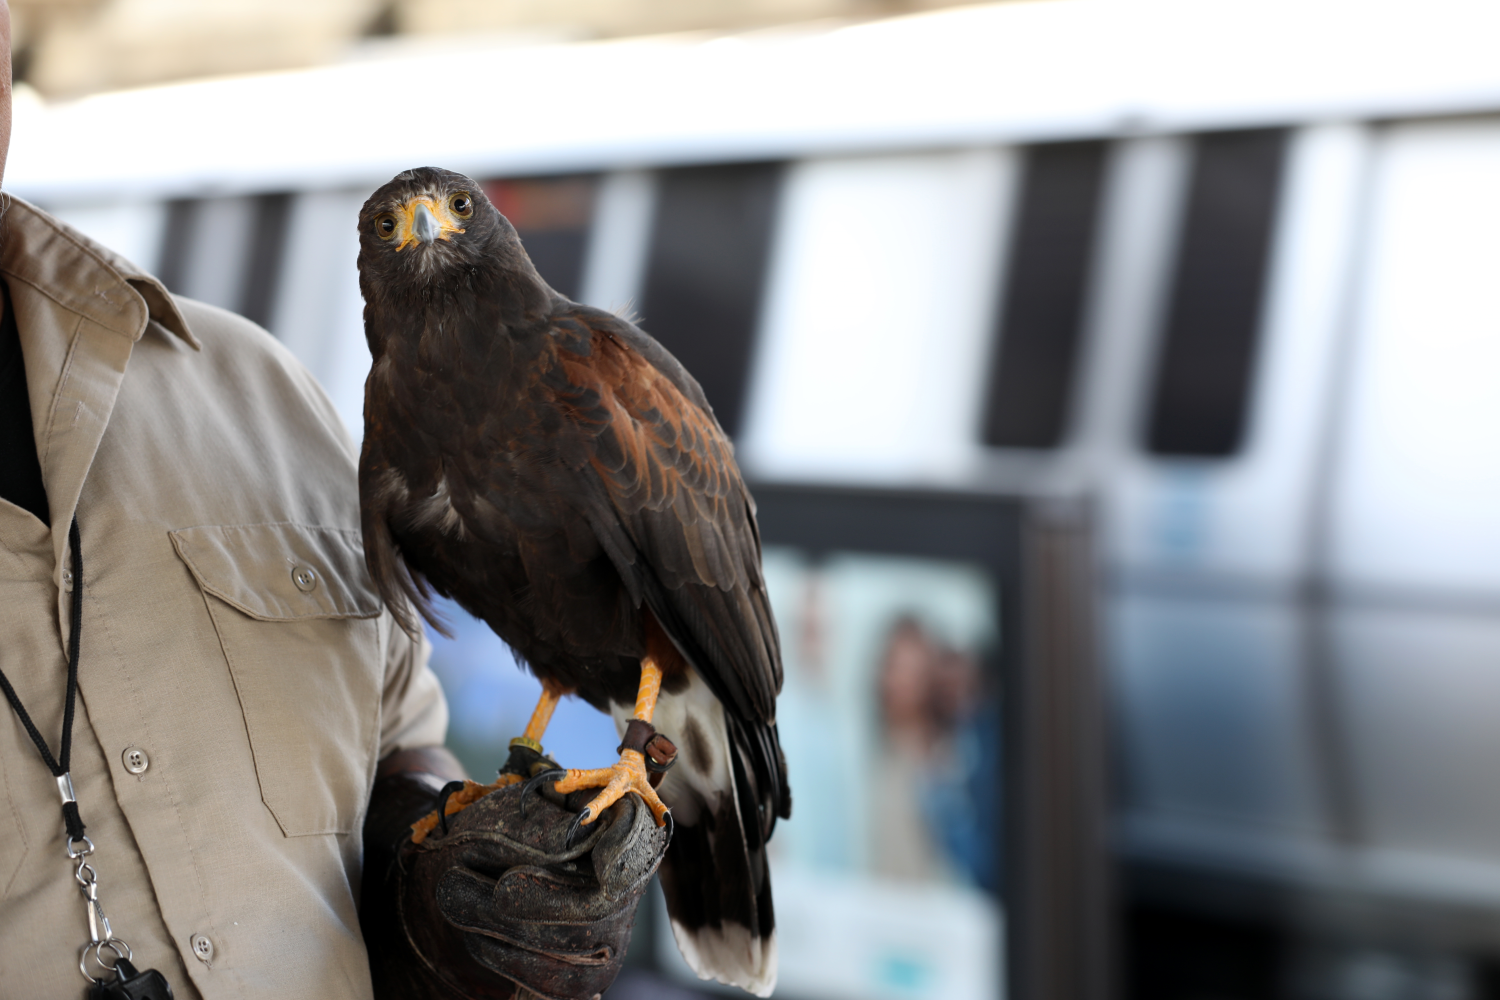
671, 825
554, 775
577, 826
444, 794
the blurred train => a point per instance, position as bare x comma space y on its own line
1232, 271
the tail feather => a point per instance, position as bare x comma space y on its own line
714, 877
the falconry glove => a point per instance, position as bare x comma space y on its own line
493, 904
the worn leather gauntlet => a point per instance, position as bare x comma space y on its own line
496, 905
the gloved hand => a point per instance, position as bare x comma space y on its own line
498, 902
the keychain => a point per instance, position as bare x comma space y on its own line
132, 985
123, 981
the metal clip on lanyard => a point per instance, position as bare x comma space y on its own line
101, 936
123, 979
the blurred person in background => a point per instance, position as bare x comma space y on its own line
903, 842
179, 513
936, 813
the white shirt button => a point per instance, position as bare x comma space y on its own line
305, 579
203, 949
135, 760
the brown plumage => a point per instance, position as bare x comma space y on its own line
557, 473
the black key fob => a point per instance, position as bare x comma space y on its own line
129, 984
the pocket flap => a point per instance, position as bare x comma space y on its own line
281, 572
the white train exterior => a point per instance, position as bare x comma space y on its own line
1231, 270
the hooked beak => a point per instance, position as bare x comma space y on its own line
424, 225
423, 222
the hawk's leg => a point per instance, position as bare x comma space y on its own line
525, 751
630, 774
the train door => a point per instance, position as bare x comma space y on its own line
1411, 540
1224, 302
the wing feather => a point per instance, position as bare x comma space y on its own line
673, 513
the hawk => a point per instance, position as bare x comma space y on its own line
556, 472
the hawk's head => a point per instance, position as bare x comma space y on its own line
428, 224
430, 236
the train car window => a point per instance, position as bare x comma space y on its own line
1038, 330
552, 215
267, 247
705, 272
227, 252
1201, 393
171, 265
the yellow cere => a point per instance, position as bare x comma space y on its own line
406, 217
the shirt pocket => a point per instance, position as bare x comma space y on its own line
296, 615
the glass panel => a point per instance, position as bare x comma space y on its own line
206, 254
319, 313
890, 720
171, 265
267, 248
1418, 689
552, 216
866, 371
133, 229
705, 272
1202, 387
1212, 718
227, 252
1039, 328
1417, 501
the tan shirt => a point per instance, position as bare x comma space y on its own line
232, 643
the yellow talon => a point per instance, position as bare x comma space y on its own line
629, 775
472, 792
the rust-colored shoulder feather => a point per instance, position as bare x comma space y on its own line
670, 478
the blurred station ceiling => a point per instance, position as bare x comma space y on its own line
69, 48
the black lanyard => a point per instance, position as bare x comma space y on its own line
59, 765
124, 980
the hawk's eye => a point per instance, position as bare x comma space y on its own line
385, 225
462, 205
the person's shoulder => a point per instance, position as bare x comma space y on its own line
258, 371
224, 360
221, 330
230, 341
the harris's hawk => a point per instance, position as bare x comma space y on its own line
556, 472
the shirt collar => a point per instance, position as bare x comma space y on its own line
82, 276
81, 310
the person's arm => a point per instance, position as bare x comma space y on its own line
437, 761
493, 898
407, 783
412, 771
